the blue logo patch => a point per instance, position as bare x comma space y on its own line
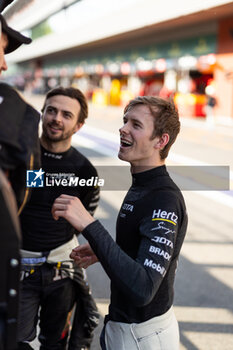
35, 178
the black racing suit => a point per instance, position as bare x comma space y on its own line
41, 233
150, 230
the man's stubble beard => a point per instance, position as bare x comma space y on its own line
62, 137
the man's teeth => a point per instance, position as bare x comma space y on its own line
54, 127
126, 143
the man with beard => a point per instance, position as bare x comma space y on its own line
49, 280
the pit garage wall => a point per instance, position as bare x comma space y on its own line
223, 74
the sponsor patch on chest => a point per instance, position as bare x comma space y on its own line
128, 207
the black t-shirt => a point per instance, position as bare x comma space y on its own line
150, 230
40, 231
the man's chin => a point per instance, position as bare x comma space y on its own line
54, 138
122, 157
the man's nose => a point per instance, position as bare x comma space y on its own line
58, 116
124, 129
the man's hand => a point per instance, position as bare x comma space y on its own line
71, 209
84, 256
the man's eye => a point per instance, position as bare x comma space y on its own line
137, 125
51, 110
67, 115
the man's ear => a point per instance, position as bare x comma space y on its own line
162, 141
78, 127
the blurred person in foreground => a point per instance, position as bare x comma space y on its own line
49, 280
10, 40
150, 230
18, 151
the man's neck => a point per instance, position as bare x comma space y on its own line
55, 147
141, 168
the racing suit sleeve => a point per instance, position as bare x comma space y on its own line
154, 255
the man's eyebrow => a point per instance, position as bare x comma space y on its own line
133, 119
50, 106
69, 112
57, 109
136, 120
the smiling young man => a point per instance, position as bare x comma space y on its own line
150, 230
54, 285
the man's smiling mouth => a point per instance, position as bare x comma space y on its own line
55, 128
126, 143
